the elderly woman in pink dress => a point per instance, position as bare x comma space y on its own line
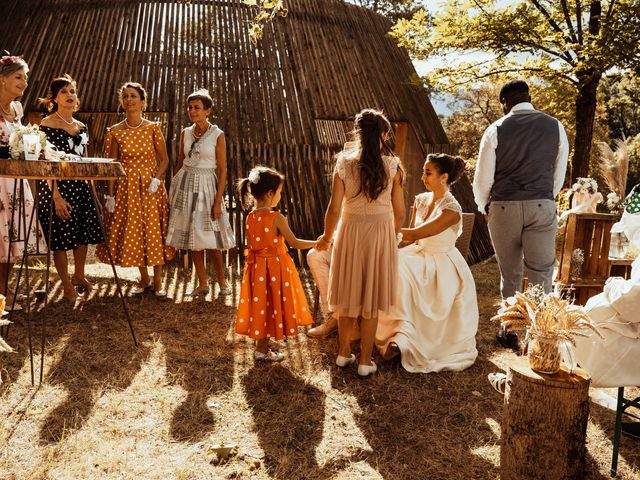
13, 82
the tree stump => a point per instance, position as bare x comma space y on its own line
544, 424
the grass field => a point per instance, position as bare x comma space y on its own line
109, 410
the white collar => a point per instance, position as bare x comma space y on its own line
522, 106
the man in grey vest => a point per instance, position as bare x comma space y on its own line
520, 170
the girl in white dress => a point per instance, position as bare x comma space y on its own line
435, 319
198, 220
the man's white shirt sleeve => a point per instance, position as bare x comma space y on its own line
561, 161
486, 167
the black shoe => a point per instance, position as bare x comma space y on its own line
508, 340
632, 429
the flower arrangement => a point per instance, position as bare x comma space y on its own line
16, 140
583, 185
613, 202
551, 322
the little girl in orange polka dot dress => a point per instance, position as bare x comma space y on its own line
272, 301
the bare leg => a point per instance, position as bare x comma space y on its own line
262, 345
79, 261
157, 277
367, 336
201, 272
5, 268
217, 263
62, 267
345, 325
144, 277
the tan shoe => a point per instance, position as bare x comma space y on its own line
324, 330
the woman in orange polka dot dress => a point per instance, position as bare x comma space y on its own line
272, 301
137, 226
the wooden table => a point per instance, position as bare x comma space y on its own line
21, 170
620, 267
46, 170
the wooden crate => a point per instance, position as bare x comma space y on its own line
591, 233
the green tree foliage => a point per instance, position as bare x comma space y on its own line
622, 96
633, 147
394, 9
575, 42
477, 107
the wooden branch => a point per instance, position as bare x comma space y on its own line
547, 15
567, 17
579, 21
595, 13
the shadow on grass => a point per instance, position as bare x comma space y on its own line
288, 415
629, 447
421, 425
97, 356
200, 361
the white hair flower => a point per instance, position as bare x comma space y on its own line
254, 176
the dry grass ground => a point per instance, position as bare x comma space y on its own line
108, 410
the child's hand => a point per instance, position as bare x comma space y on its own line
322, 244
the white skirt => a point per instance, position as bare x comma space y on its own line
191, 226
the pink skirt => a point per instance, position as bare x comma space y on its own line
35, 239
363, 274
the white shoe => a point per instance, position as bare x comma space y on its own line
366, 370
270, 356
137, 290
160, 293
345, 361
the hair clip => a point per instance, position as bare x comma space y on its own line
254, 176
9, 59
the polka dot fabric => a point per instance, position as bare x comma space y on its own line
83, 228
272, 301
632, 202
138, 226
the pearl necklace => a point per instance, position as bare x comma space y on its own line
131, 126
9, 112
196, 128
65, 120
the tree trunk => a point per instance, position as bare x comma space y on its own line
544, 424
586, 102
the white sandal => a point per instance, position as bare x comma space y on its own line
270, 356
498, 381
367, 370
345, 361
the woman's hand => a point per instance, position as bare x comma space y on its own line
63, 209
216, 210
408, 235
322, 244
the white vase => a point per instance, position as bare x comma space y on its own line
31, 144
586, 202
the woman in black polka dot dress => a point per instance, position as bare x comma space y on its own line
74, 221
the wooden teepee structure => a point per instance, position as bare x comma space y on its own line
286, 102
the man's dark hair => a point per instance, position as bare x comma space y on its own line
514, 90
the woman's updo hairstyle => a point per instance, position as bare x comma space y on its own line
444, 163
261, 180
137, 87
10, 64
55, 86
202, 95
369, 127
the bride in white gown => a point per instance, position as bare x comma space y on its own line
435, 319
